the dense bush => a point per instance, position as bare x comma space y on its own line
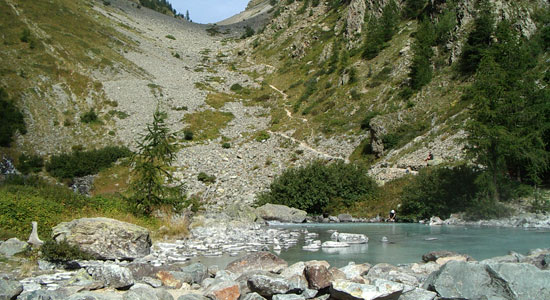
89, 117
314, 187
248, 32
30, 164
439, 191
11, 120
62, 252
82, 163
188, 134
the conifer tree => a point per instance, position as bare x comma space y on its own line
151, 176
478, 41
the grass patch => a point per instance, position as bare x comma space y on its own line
218, 100
206, 125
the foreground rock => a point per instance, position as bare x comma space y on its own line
379, 289
9, 289
12, 247
105, 238
261, 261
472, 280
281, 213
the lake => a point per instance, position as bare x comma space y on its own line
407, 243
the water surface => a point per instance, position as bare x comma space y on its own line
408, 242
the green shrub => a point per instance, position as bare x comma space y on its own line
11, 120
365, 123
188, 134
248, 32
30, 164
236, 87
89, 117
82, 163
262, 136
62, 252
226, 145
439, 191
203, 177
25, 36
169, 36
314, 187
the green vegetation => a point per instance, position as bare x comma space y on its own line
414, 8
510, 116
320, 187
206, 125
169, 36
81, 163
54, 251
478, 41
162, 6
27, 199
11, 120
438, 191
152, 181
421, 69
89, 117
203, 177
30, 164
248, 32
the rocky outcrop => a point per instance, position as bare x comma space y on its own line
105, 238
473, 280
354, 20
281, 213
268, 285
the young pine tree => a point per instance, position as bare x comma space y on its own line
478, 41
421, 68
151, 176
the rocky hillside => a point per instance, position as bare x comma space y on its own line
294, 90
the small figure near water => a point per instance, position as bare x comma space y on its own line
393, 216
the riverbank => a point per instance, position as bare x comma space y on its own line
262, 275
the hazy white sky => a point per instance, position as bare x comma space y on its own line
209, 11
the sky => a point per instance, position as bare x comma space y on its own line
209, 11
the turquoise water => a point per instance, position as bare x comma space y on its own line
408, 242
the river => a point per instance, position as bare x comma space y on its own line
407, 243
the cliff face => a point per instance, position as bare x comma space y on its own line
317, 52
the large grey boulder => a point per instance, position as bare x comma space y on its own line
9, 289
41, 295
193, 273
281, 213
435, 255
147, 294
95, 296
192, 296
105, 238
418, 294
288, 297
259, 261
253, 296
391, 273
12, 247
268, 285
472, 280
223, 290
378, 290
112, 275
354, 271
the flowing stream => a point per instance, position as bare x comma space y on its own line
406, 243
